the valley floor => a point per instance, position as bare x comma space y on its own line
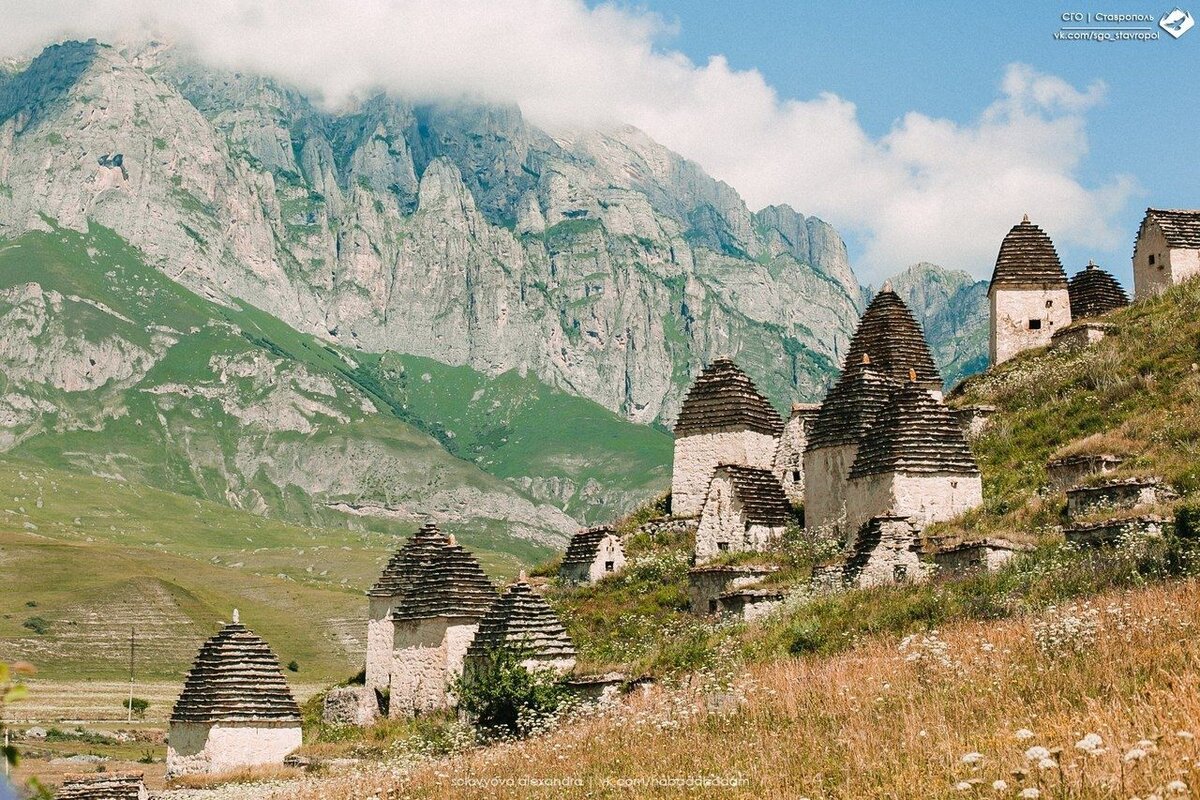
946, 714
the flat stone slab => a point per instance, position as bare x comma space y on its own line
1124, 493
1112, 531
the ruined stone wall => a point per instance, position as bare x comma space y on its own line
893, 560
380, 642
428, 655
706, 585
698, 455
196, 748
1011, 312
789, 457
723, 522
825, 479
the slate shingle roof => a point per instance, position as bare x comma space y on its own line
722, 397
760, 494
584, 544
1094, 292
402, 567
1027, 258
447, 582
889, 334
102, 786
1180, 227
914, 434
235, 677
850, 407
521, 619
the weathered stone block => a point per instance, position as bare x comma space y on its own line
1071, 470
1116, 495
350, 705
707, 584
1110, 532
1081, 334
974, 420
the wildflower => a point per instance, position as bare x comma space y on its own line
1177, 787
1148, 746
1023, 734
1036, 753
1185, 735
972, 758
1090, 743
1030, 793
1047, 763
1136, 754
962, 786
1000, 786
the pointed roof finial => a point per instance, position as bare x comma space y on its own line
451, 540
866, 359
887, 286
1091, 264
1025, 219
522, 577
236, 617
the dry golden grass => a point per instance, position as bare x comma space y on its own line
881, 722
246, 775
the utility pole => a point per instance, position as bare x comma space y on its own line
5, 759
132, 631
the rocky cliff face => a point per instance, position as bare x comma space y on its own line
598, 261
952, 308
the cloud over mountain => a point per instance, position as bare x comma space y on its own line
930, 189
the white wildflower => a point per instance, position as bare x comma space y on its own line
1148, 745
1177, 787
1090, 743
962, 786
1030, 793
1023, 734
1000, 786
1185, 735
1136, 754
1047, 763
1036, 753
972, 758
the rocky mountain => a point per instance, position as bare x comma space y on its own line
598, 261
952, 308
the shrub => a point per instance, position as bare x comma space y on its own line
37, 625
293, 666
503, 697
137, 705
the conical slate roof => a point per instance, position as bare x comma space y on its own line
447, 581
1027, 258
724, 397
102, 786
403, 565
914, 433
1180, 227
760, 494
522, 620
890, 336
235, 677
850, 408
1094, 292
584, 544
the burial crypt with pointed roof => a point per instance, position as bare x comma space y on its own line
724, 420
1167, 250
1028, 293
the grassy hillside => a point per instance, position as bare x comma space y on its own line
143, 380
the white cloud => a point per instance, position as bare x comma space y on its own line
930, 189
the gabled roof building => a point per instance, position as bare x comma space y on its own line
724, 420
592, 554
236, 709
1167, 250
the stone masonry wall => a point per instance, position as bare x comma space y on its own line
893, 560
195, 748
1011, 311
1170, 266
789, 457
428, 655
723, 521
922, 498
825, 478
380, 642
698, 455
609, 550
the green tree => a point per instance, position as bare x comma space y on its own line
137, 705
502, 696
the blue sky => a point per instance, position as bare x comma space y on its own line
945, 59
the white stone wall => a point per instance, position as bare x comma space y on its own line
609, 550
789, 457
1011, 311
705, 586
921, 497
428, 656
380, 642
825, 480
697, 456
1169, 267
194, 747
722, 522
